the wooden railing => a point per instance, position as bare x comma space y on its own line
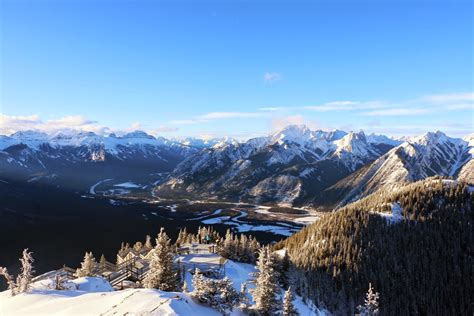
65, 272
125, 270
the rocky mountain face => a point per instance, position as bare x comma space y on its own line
86, 157
290, 166
418, 158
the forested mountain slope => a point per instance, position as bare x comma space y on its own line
415, 245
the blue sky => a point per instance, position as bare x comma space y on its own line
237, 68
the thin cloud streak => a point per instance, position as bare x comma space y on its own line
346, 105
396, 112
213, 116
74, 123
451, 97
11, 124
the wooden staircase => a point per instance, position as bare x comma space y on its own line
115, 274
127, 270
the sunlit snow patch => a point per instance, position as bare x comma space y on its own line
394, 217
215, 220
129, 185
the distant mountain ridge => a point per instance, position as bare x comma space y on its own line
289, 166
293, 166
86, 156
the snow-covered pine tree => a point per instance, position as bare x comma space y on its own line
184, 288
242, 249
228, 298
9, 278
244, 300
138, 246
201, 289
87, 266
288, 307
218, 294
148, 243
266, 283
59, 282
228, 247
285, 270
23, 280
102, 262
254, 248
162, 274
371, 306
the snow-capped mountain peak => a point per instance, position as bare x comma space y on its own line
226, 141
299, 134
30, 135
470, 139
430, 138
138, 135
354, 142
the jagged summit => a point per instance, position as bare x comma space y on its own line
430, 138
29, 134
138, 134
352, 142
293, 133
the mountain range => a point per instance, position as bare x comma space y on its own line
295, 166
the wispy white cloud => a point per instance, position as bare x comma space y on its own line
396, 112
185, 122
460, 106
273, 109
279, 122
227, 115
10, 124
272, 76
345, 106
450, 97
163, 129
452, 129
213, 116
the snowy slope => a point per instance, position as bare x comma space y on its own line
466, 170
95, 296
420, 157
99, 299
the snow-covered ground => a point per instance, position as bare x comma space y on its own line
278, 230
128, 185
240, 226
215, 220
95, 296
306, 220
396, 215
